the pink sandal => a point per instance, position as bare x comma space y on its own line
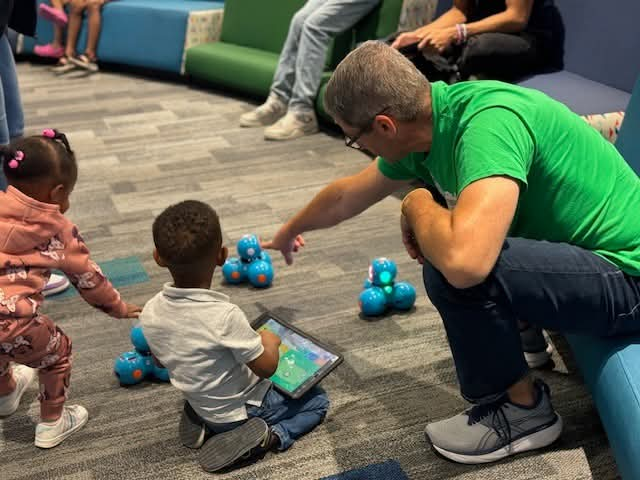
48, 50
53, 14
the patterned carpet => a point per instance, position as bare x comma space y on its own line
143, 144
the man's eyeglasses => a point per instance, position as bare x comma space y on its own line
353, 141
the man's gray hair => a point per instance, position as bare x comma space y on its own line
372, 78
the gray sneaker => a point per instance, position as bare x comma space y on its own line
266, 114
294, 124
486, 433
537, 351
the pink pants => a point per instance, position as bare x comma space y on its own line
38, 343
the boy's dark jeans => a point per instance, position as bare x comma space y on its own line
552, 285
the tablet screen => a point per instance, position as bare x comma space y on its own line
300, 358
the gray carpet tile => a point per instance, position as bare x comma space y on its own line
143, 144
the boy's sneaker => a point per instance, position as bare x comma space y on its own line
266, 114
50, 434
56, 284
294, 124
192, 429
224, 449
537, 351
53, 14
486, 433
23, 376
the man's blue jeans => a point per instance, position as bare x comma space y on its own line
302, 60
555, 286
11, 116
289, 419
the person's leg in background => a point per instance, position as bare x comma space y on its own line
11, 114
283, 80
500, 56
76, 12
88, 59
55, 14
330, 19
549, 285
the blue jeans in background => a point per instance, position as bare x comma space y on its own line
11, 115
555, 286
303, 56
288, 418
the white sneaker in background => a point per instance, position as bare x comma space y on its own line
50, 434
295, 124
266, 114
56, 284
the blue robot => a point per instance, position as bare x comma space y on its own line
134, 366
253, 265
381, 292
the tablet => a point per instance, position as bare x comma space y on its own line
304, 361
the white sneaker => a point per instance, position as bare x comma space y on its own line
294, 124
56, 284
266, 114
50, 434
23, 376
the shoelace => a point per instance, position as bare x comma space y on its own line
499, 421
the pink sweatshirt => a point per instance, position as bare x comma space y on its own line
34, 238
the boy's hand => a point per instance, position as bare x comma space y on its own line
270, 338
133, 311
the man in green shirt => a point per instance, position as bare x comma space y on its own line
535, 232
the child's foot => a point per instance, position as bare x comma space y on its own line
53, 14
63, 66
192, 429
23, 376
48, 50
50, 434
224, 449
86, 62
56, 284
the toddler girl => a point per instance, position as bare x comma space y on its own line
35, 237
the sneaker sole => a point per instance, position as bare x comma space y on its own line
53, 442
539, 439
223, 449
191, 431
538, 359
57, 289
277, 136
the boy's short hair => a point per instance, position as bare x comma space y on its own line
187, 232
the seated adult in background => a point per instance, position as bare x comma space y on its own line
288, 112
537, 232
490, 39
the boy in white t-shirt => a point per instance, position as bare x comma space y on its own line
214, 357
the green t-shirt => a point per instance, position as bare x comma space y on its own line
575, 186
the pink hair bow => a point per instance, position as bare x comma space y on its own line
15, 161
49, 133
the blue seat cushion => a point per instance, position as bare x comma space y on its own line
611, 369
580, 94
